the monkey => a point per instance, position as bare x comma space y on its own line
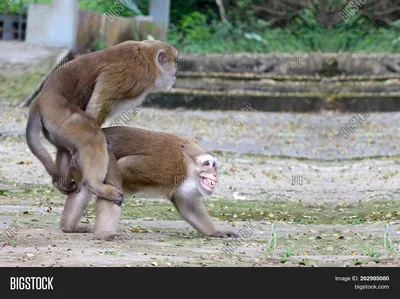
153, 163
75, 101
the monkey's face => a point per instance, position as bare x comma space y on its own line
166, 61
208, 173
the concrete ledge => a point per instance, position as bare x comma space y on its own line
327, 64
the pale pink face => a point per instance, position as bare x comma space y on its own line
208, 172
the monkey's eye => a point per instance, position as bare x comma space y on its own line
214, 164
206, 163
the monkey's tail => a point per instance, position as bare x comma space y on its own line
33, 130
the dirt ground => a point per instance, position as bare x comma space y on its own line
336, 215
310, 197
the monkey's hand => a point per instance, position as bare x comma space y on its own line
225, 234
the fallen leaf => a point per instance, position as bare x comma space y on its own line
139, 229
238, 197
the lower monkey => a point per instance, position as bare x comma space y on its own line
154, 163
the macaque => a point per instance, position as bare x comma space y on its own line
75, 101
154, 163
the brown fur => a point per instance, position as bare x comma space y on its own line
148, 162
76, 100
150, 148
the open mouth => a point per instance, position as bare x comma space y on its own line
209, 183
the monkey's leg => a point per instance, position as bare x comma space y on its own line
194, 212
73, 211
108, 213
63, 181
74, 130
94, 172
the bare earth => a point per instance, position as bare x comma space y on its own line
334, 214
244, 176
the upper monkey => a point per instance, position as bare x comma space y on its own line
75, 101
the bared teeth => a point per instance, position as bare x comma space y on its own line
208, 182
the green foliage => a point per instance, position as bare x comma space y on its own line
195, 34
181, 8
196, 27
99, 43
100, 6
13, 6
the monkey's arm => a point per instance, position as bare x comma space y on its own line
115, 84
194, 212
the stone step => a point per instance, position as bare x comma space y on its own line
291, 77
275, 101
286, 85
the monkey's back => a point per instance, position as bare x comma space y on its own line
158, 157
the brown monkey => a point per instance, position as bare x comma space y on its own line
76, 100
154, 163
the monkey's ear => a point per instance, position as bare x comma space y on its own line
162, 56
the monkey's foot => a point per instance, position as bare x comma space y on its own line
119, 201
225, 234
84, 229
106, 236
65, 187
78, 229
